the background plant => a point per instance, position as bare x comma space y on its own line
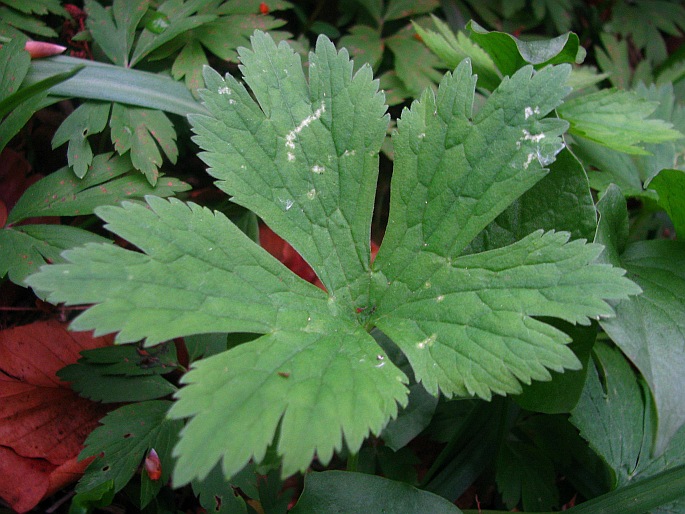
480, 442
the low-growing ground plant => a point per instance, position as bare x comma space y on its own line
504, 331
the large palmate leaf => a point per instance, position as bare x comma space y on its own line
303, 155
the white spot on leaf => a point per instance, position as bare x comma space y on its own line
292, 135
529, 111
536, 138
427, 342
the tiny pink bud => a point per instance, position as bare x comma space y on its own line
38, 49
153, 466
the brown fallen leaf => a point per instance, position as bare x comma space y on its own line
43, 423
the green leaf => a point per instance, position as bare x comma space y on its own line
189, 63
122, 373
123, 440
143, 132
95, 383
448, 311
341, 491
321, 173
415, 65
244, 290
100, 81
561, 394
614, 60
616, 119
180, 17
639, 497
670, 185
326, 384
649, 328
25, 248
97, 497
108, 182
561, 201
36, 6
224, 36
216, 494
511, 54
452, 49
304, 156
114, 28
614, 415
630, 172
507, 159
525, 475
14, 22
364, 44
131, 360
18, 104
611, 413
89, 118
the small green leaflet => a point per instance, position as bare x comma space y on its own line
453, 48
303, 155
143, 132
89, 118
24, 248
365, 45
110, 180
121, 443
116, 374
114, 29
617, 119
415, 65
178, 18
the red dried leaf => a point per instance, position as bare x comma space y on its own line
263, 8
43, 423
